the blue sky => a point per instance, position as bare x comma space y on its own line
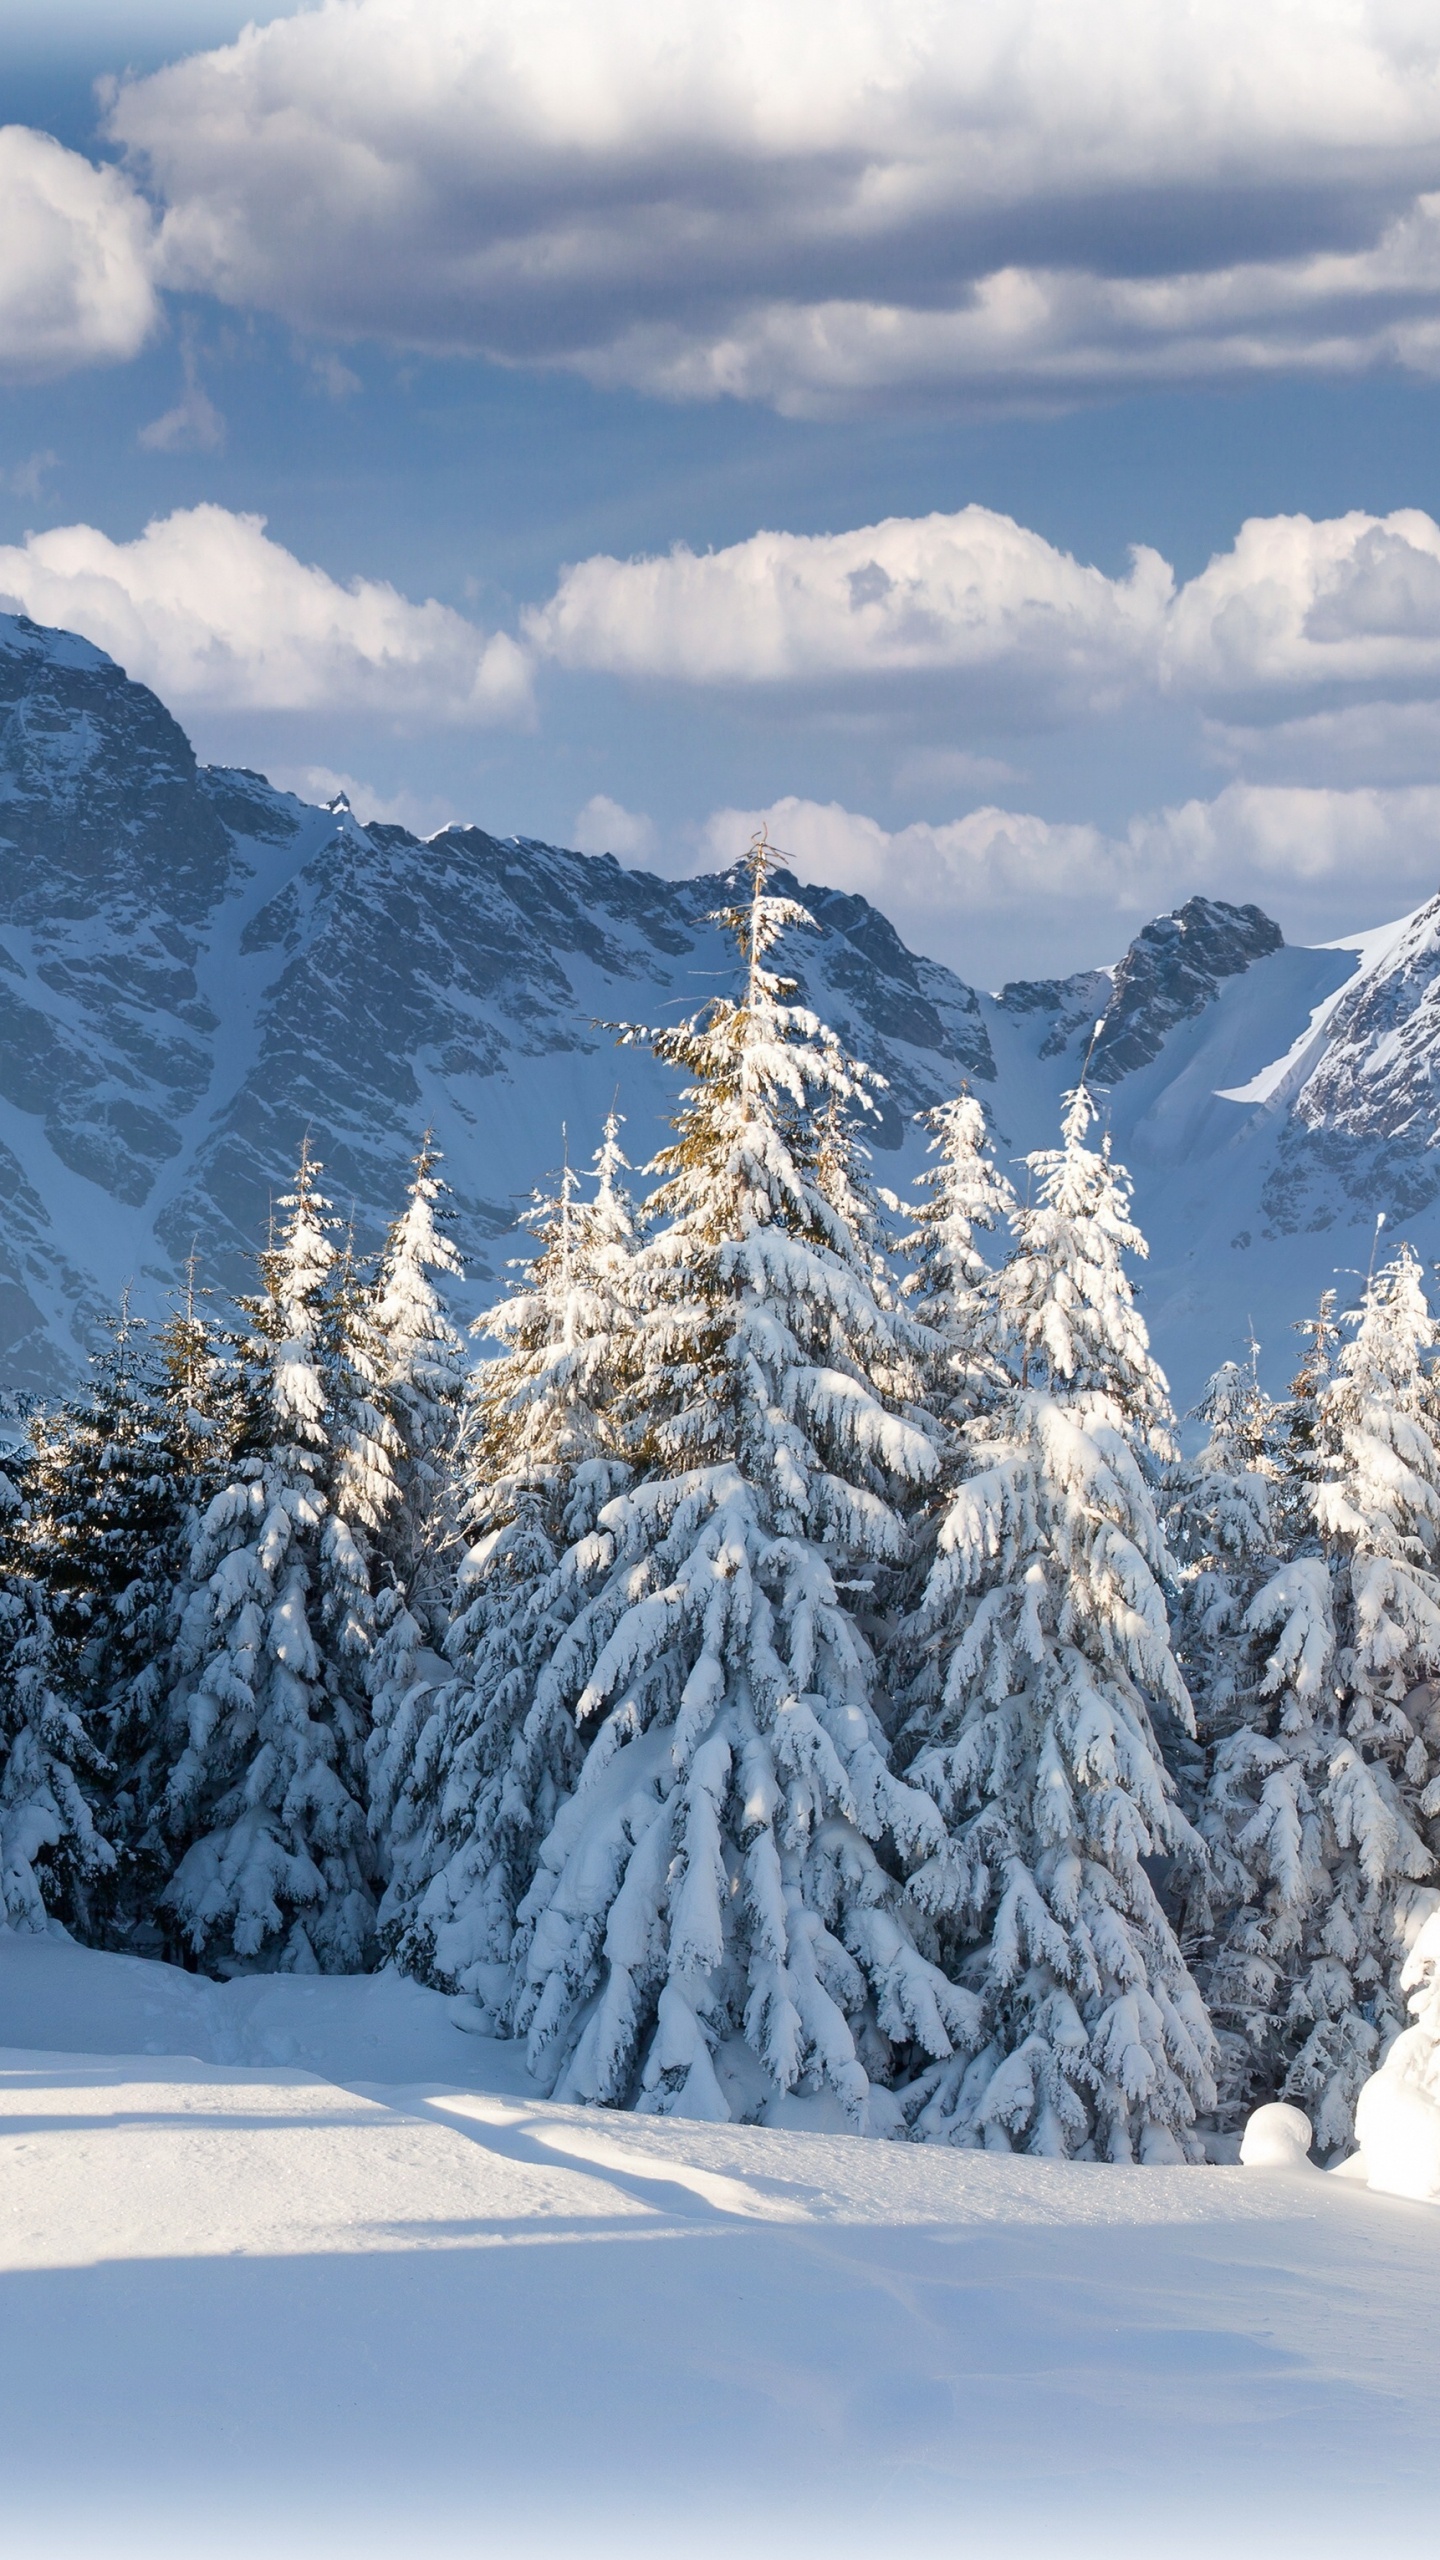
486, 309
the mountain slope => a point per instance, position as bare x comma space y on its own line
197, 969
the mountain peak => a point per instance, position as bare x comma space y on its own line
1170, 973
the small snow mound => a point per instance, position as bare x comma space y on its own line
1276, 2137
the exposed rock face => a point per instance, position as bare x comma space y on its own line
1170, 973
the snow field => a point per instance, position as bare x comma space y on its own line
357, 2292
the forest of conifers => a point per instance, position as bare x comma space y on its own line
794, 1658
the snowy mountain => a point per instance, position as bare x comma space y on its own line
198, 968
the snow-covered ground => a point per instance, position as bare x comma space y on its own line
298, 2266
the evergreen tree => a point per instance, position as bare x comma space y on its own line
269, 1787
1324, 1787
419, 1375
100, 1544
473, 1773
1046, 1609
1225, 1528
159, 1424
1227, 1531
951, 1288
1302, 1457
51, 1854
719, 1913
422, 1380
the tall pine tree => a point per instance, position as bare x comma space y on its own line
1325, 1789
719, 1915
1047, 1612
269, 1788
475, 1770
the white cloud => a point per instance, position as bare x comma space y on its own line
972, 592
1298, 605
215, 615
75, 277
824, 203
1002, 891
604, 827
1008, 630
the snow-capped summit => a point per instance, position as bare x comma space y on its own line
198, 968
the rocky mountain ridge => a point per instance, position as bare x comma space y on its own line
197, 969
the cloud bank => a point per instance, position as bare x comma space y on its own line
1322, 632
838, 202
1000, 892
1349, 605
213, 614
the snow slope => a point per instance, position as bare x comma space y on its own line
334, 2284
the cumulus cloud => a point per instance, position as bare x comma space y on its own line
1002, 891
76, 284
604, 827
1300, 605
970, 593
1345, 612
209, 610
836, 201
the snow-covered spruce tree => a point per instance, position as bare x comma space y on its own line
1299, 1442
719, 1915
268, 1790
1046, 1608
950, 1286
1325, 1789
420, 1377
148, 1455
1377, 1509
953, 1293
1224, 1530
51, 1854
422, 1382
469, 1775
97, 1551
1228, 1532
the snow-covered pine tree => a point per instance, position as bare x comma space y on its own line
1046, 1607
268, 1790
953, 1293
1224, 1531
950, 1286
468, 1776
423, 1380
98, 1555
1377, 1508
420, 1377
188, 1422
719, 1915
52, 1856
1227, 1531
1299, 1445
1324, 1789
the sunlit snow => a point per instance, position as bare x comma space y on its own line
297, 2266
